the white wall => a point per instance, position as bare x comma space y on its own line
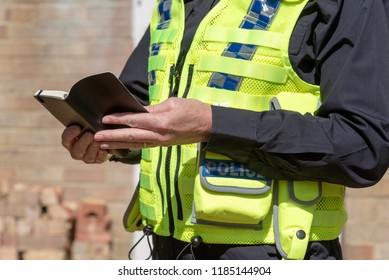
141, 16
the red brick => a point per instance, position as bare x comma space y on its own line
43, 242
8, 224
51, 227
8, 239
4, 187
92, 208
8, 253
24, 195
3, 32
47, 254
364, 252
84, 250
86, 175
51, 196
19, 14
61, 212
21, 210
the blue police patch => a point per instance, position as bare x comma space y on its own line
229, 169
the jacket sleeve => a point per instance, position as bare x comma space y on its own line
134, 74
346, 141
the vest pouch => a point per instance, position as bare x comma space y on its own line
226, 193
295, 201
294, 206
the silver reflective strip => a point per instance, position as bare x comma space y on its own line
303, 202
277, 234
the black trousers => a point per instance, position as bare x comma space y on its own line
168, 248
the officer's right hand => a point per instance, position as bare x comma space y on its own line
82, 147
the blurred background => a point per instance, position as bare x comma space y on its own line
52, 207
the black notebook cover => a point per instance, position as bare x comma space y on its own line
88, 101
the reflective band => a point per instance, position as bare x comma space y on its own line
244, 36
147, 211
157, 62
146, 154
259, 16
226, 98
163, 36
242, 68
147, 181
164, 9
155, 92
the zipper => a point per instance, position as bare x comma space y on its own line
176, 189
174, 80
168, 190
189, 81
176, 73
158, 177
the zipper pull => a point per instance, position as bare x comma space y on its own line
176, 72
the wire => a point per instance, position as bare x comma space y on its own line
147, 231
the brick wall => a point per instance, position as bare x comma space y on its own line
366, 235
50, 45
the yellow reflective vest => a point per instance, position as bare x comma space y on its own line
238, 58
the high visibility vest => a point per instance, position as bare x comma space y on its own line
238, 58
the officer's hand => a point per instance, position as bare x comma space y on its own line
173, 122
82, 147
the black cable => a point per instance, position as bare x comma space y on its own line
194, 243
147, 231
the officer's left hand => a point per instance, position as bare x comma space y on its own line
173, 122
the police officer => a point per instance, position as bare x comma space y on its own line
261, 113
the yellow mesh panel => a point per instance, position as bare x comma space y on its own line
330, 203
146, 167
323, 233
187, 201
188, 170
147, 196
220, 235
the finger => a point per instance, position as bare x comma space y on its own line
69, 135
134, 120
102, 156
91, 153
125, 145
129, 135
80, 146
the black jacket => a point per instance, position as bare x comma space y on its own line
341, 45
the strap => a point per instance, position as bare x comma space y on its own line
163, 36
157, 62
245, 68
147, 211
227, 98
155, 92
147, 181
244, 36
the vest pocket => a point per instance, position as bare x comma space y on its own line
226, 193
